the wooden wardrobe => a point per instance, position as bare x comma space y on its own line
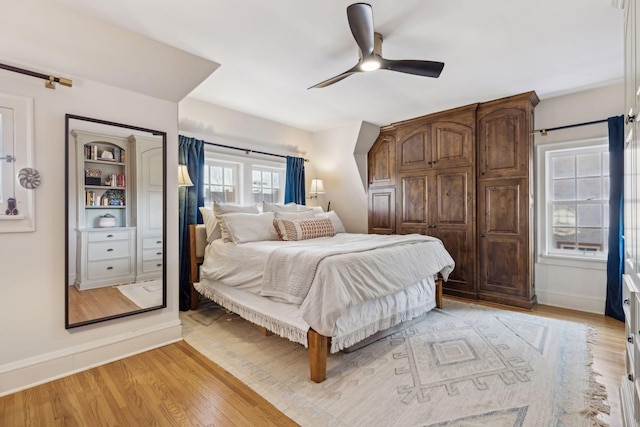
464, 176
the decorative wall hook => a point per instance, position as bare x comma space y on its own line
29, 178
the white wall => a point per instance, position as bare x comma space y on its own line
333, 154
220, 125
35, 345
577, 285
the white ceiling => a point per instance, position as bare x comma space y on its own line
271, 51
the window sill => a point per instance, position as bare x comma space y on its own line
574, 262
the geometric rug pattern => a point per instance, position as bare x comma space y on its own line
463, 365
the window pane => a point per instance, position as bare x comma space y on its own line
590, 239
216, 175
206, 174
564, 216
256, 178
564, 189
564, 238
276, 180
589, 189
564, 167
589, 164
589, 216
228, 176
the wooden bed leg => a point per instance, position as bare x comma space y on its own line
317, 355
439, 293
195, 298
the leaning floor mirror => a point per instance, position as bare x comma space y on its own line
115, 220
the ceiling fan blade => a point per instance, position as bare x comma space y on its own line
337, 78
419, 68
360, 18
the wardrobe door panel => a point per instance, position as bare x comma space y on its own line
452, 144
382, 161
413, 201
414, 150
503, 242
452, 222
503, 143
382, 210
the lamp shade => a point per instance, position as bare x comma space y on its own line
317, 186
183, 177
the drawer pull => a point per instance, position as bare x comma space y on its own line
109, 268
109, 250
159, 241
626, 301
158, 253
109, 235
630, 377
158, 265
630, 339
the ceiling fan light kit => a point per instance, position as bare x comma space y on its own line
360, 17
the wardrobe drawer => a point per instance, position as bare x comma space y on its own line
152, 254
101, 236
112, 267
152, 242
154, 265
106, 250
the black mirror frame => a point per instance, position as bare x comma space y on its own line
69, 117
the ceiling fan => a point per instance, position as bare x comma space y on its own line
360, 18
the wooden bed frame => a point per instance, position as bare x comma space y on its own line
318, 344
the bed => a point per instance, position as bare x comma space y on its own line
330, 293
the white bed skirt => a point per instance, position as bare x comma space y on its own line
355, 324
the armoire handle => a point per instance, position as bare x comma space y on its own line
481, 235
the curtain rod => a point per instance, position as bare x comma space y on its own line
543, 132
246, 150
50, 81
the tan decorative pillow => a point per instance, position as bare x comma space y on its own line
302, 229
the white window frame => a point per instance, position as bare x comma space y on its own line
543, 211
281, 173
246, 163
236, 171
22, 153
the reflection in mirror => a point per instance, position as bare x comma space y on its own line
115, 220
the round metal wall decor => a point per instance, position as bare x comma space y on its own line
29, 178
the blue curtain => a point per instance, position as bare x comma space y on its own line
615, 259
190, 153
294, 185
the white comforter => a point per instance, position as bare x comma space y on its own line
340, 278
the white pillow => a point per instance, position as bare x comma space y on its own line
246, 227
220, 209
279, 207
295, 215
335, 221
210, 224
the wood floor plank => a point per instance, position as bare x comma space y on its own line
176, 385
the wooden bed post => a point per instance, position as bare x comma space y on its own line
317, 355
439, 293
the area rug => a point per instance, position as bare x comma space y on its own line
462, 365
143, 294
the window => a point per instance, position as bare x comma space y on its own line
576, 199
220, 182
266, 185
16, 153
244, 180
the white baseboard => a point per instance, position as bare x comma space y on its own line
570, 301
37, 370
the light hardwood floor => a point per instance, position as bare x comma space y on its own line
97, 303
177, 386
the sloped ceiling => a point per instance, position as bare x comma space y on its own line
271, 51
57, 40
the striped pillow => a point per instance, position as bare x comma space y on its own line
302, 229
